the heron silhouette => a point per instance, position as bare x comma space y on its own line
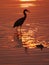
20, 21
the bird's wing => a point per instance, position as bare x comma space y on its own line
20, 20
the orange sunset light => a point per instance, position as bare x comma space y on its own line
27, 5
27, 0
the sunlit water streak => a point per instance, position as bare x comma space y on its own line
36, 28
27, 5
28, 0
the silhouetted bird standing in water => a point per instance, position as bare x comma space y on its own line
20, 21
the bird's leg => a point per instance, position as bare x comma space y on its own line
20, 29
17, 32
20, 33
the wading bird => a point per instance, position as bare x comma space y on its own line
20, 21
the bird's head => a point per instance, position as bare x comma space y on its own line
26, 10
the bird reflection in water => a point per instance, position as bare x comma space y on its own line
20, 44
18, 39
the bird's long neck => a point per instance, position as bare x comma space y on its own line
25, 14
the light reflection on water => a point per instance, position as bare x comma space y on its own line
7, 32
27, 5
29, 39
28, 0
33, 33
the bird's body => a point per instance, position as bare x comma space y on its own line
20, 21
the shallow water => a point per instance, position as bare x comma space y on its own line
34, 29
17, 56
